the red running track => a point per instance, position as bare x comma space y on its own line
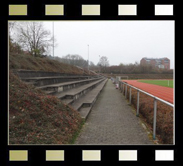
162, 92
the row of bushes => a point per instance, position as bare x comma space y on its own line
164, 120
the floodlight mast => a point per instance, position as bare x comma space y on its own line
53, 37
88, 59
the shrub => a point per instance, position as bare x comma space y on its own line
164, 120
37, 118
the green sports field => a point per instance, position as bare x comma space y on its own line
166, 83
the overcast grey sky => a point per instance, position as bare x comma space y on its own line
121, 41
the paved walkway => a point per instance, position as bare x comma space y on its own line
111, 121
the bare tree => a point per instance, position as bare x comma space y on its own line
103, 62
14, 47
75, 59
11, 25
34, 38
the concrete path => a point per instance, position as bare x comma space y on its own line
112, 122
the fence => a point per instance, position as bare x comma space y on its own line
123, 87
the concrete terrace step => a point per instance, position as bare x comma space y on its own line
42, 81
86, 102
49, 92
66, 85
89, 97
75, 93
84, 112
89, 100
22, 73
94, 94
68, 101
31, 83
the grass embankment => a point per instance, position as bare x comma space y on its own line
166, 83
164, 121
27, 62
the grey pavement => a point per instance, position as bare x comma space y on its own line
112, 122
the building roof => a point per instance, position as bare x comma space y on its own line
157, 59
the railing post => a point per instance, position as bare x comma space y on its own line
137, 103
126, 91
119, 86
154, 123
130, 95
123, 88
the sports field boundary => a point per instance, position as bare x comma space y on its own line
161, 82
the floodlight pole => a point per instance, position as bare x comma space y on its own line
88, 59
99, 65
53, 37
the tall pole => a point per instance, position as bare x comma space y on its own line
53, 38
99, 65
88, 58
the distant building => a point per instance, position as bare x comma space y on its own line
162, 63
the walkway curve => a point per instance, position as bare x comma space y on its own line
112, 122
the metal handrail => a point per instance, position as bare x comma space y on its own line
157, 98
155, 102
